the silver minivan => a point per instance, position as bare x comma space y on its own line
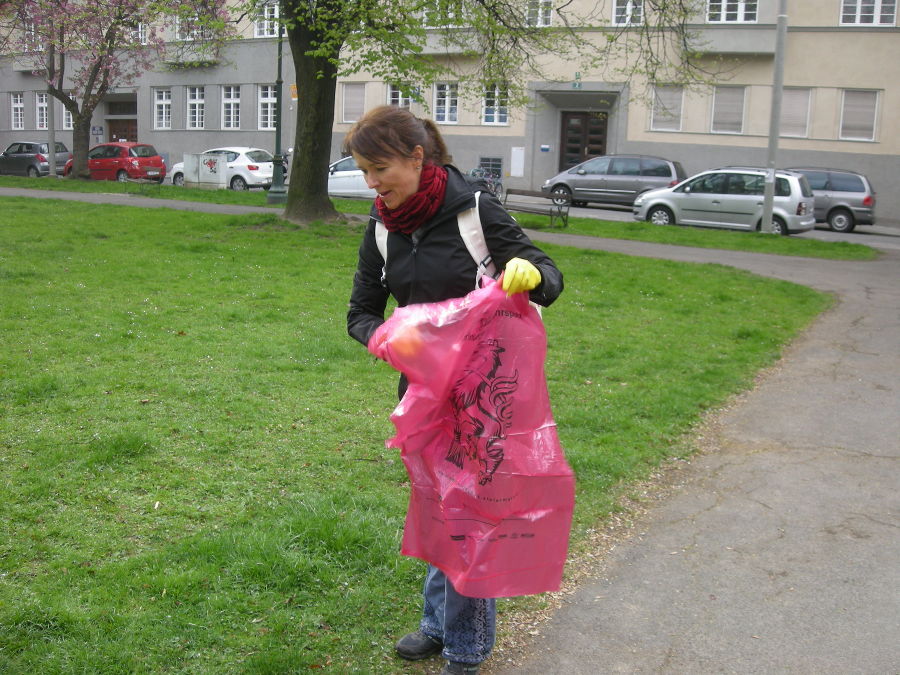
731, 197
614, 179
844, 199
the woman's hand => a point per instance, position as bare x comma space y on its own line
519, 275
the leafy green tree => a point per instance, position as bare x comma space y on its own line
476, 42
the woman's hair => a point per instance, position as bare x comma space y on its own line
387, 131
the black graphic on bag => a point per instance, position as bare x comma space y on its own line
481, 405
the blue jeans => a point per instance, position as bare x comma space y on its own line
465, 625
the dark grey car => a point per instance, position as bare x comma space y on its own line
31, 158
844, 199
615, 179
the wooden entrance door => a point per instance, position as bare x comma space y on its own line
583, 136
122, 130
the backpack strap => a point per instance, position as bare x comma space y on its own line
381, 236
472, 234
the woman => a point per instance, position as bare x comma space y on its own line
419, 197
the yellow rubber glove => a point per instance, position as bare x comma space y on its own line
519, 275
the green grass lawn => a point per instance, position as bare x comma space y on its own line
639, 231
192, 464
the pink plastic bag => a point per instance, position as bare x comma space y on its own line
492, 494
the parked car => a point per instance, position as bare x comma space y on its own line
731, 197
345, 179
246, 167
31, 158
844, 199
123, 161
615, 179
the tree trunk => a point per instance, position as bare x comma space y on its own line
81, 141
307, 198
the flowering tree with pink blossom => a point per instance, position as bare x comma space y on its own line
85, 48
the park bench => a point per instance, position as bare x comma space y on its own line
555, 205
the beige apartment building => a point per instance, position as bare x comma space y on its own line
840, 101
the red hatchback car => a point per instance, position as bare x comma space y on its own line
123, 161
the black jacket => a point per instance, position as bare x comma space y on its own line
433, 264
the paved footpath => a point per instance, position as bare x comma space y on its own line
781, 551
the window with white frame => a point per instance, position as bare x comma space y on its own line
442, 17
667, 104
139, 33
794, 112
539, 13
17, 111
266, 24
446, 102
397, 98
40, 111
858, 113
231, 106
162, 108
196, 107
267, 106
495, 108
189, 28
731, 11
68, 120
868, 12
728, 110
354, 103
628, 13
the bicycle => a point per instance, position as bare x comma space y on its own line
491, 179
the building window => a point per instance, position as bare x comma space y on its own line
139, 33
267, 106
196, 107
354, 101
858, 115
868, 12
731, 11
496, 105
189, 28
628, 13
539, 13
17, 111
162, 108
40, 113
492, 166
446, 101
68, 121
794, 113
266, 24
397, 98
728, 110
231, 107
442, 17
667, 102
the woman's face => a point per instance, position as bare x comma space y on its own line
396, 179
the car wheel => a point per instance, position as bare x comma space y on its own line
33, 172
660, 215
178, 179
122, 176
841, 220
561, 190
238, 183
779, 226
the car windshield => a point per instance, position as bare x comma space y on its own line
259, 156
143, 151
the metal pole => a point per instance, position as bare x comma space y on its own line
775, 117
277, 193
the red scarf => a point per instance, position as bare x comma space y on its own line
418, 209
